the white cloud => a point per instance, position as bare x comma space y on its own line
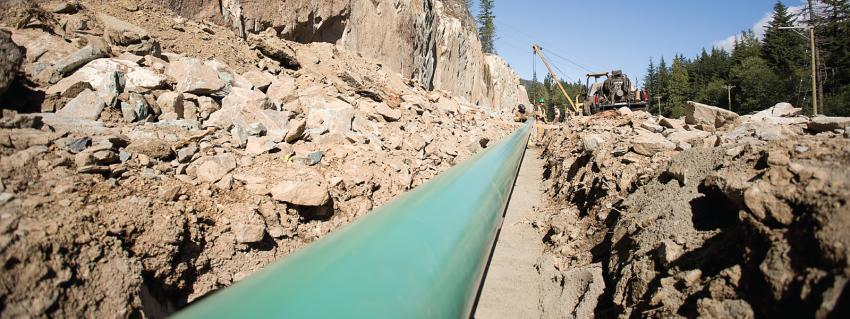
758, 28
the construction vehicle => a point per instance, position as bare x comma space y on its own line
615, 92
539, 51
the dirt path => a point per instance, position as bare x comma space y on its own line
512, 286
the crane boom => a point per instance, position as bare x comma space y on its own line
539, 51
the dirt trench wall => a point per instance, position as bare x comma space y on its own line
732, 224
433, 42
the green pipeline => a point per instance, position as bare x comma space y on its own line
421, 255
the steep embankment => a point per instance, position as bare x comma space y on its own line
431, 41
147, 160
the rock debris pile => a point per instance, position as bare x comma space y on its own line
134, 180
716, 215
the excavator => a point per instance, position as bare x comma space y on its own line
614, 92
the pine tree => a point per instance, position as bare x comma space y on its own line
649, 81
662, 82
834, 46
487, 26
784, 51
679, 87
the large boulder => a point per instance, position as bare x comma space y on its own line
11, 57
193, 76
332, 114
79, 58
87, 105
282, 90
828, 123
104, 75
244, 106
779, 110
707, 116
132, 38
695, 137
648, 144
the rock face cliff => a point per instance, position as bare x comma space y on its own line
431, 41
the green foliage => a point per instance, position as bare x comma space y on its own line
763, 72
487, 26
678, 87
755, 77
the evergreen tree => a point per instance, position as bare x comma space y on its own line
678, 87
784, 51
649, 82
662, 83
834, 46
487, 26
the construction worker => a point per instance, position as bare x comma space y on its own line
540, 113
557, 118
540, 110
520, 114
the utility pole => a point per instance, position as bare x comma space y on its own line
814, 59
658, 98
729, 91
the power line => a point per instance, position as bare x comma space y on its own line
554, 53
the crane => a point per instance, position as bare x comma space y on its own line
539, 51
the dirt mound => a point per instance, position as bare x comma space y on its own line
135, 179
739, 221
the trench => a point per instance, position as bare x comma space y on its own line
512, 286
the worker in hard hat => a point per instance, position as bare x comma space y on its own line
557, 118
540, 114
520, 113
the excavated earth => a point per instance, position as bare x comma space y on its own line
714, 216
147, 160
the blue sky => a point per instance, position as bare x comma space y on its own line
618, 34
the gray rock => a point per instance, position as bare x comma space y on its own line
256, 129
239, 136
652, 127
591, 142
136, 109
11, 57
79, 58
87, 105
78, 145
6, 197
315, 157
124, 156
109, 88
186, 153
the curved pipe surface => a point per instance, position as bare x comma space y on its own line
421, 255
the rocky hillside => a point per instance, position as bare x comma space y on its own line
432, 41
147, 160
714, 216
